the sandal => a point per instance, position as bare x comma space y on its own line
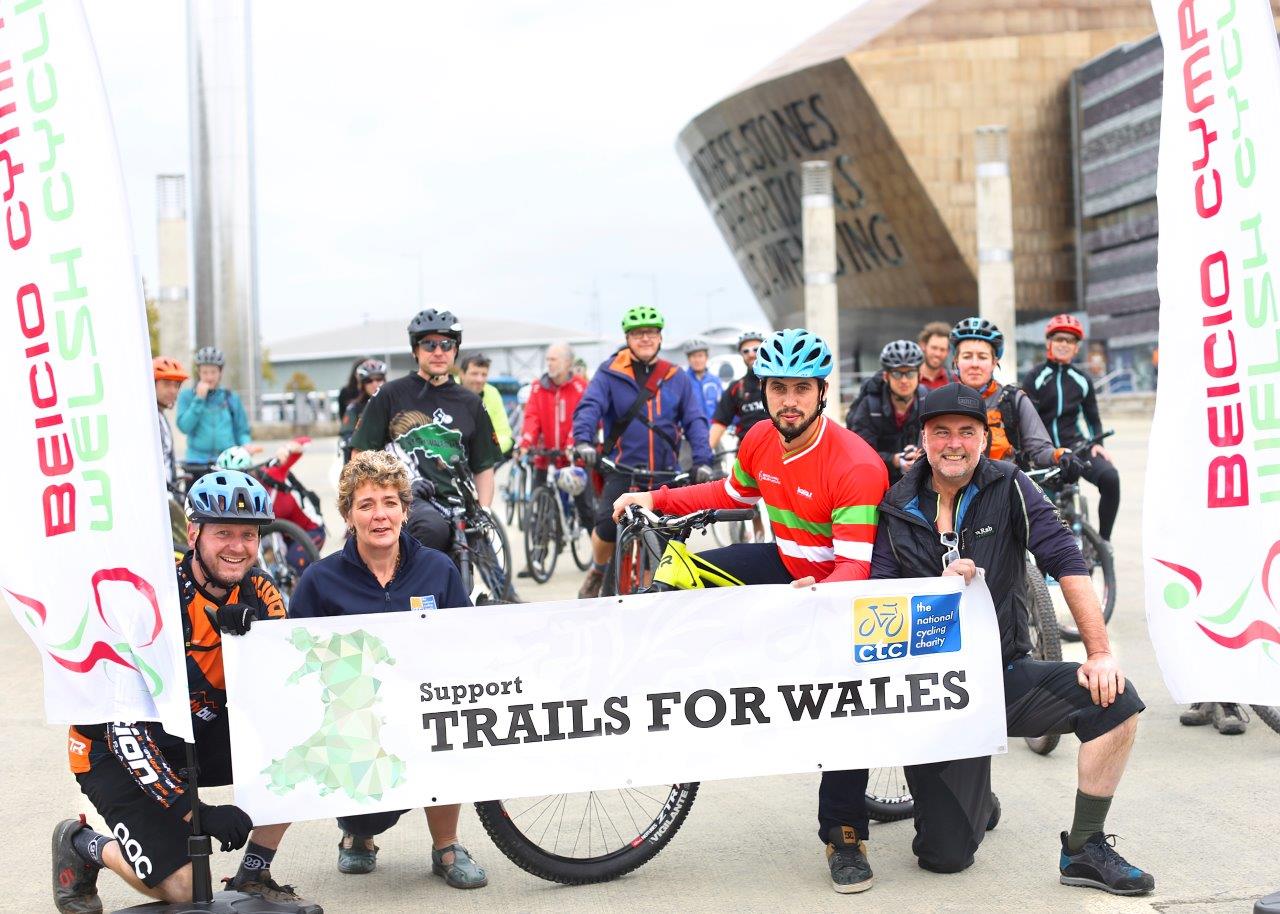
463, 872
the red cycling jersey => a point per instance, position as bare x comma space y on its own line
823, 501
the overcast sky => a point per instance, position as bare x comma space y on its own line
523, 150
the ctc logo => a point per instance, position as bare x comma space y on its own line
880, 628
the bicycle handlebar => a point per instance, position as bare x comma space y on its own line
672, 475
634, 515
1048, 473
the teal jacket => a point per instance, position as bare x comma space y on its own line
213, 424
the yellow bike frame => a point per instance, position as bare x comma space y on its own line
680, 569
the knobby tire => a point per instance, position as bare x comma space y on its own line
1046, 644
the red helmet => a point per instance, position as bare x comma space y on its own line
167, 369
1065, 323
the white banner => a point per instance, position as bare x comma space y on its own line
362, 713
85, 544
1211, 515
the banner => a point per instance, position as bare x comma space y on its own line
362, 713
86, 558
1211, 515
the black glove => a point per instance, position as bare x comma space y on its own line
229, 824
586, 453
702, 473
232, 619
1071, 467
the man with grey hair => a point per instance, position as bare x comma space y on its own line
548, 417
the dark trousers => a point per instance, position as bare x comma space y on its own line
370, 824
425, 522
1103, 474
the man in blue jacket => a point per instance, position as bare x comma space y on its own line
697, 351
646, 405
212, 417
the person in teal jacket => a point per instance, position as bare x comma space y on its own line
212, 417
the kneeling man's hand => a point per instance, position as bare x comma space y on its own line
1101, 675
962, 567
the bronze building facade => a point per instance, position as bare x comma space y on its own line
891, 96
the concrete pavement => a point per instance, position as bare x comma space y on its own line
1197, 809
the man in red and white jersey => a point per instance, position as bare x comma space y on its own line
820, 483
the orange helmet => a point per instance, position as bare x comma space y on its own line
1065, 323
167, 369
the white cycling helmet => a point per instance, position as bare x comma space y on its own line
572, 481
234, 458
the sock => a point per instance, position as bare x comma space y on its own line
256, 859
89, 845
1091, 817
596, 566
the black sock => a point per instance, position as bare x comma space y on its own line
1091, 818
89, 844
256, 859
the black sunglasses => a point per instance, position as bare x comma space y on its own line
442, 345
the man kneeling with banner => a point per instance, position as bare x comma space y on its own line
956, 510
134, 773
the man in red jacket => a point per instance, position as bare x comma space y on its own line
548, 418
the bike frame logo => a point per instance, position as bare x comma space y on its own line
880, 629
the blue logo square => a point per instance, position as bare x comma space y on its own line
935, 623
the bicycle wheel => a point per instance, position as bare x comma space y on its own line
1270, 715
542, 535
276, 542
888, 796
509, 492
491, 558
631, 566
584, 838
1045, 641
579, 540
1100, 560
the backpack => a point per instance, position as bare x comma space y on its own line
1002, 424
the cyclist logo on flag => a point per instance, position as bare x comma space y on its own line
1225, 628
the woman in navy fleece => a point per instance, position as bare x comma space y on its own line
381, 569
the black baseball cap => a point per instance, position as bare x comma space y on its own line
953, 400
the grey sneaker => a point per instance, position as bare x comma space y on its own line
462, 872
356, 856
261, 884
1197, 715
75, 880
847, 858
1229, 719
590, 588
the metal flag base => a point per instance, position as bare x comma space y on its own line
1268, 905
222, 903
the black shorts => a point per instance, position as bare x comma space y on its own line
1043, 697
152, 838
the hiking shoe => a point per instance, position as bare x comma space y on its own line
260, 883
75, 880
1098, 866
1229, 719
847, 858
463, 872
356, 856
1197, 715
590, 588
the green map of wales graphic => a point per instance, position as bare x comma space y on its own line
345, 753
428, 440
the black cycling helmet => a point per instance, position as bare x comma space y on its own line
978, 328
433, 321
371, 368
901, 354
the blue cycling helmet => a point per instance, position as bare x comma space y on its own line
793, 353
978, 328
228, 497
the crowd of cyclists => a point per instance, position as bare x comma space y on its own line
934, 447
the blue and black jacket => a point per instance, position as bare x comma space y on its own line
1063, 395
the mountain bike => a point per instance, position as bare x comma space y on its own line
479, 546
1099, 558
517, 491
631, 567
583, 838
552, 522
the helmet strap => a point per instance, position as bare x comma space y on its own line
211, 580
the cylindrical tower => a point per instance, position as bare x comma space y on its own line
224, 238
